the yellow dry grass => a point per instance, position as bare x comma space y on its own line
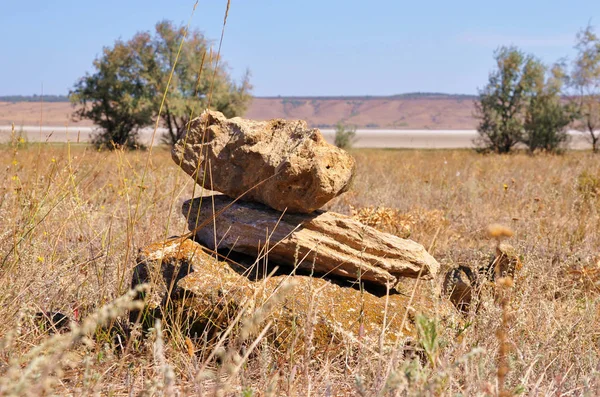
72, 220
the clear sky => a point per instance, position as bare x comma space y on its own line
307, 47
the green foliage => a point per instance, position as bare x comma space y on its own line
247, 392
125, 93
200, 79
585, 82
546, 117
344, 136
429, 338
502, 101
116, 96
522, 104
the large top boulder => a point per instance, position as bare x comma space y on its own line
283, 163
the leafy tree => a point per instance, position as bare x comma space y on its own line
585, 80
344, 136
126, 91
116, 97
199, 79
502, 101
546, 116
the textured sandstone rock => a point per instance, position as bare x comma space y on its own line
207, 294
300, 171
325, 242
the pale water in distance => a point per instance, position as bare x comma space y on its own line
372, 138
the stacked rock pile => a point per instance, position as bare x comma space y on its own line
264, 184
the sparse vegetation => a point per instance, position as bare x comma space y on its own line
546, 116
344, 136
200, 79
125, 93
522, 103
502, 101
115, 97
74, 219
585, 82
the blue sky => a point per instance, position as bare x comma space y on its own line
308, 47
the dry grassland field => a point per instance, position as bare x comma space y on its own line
73, 220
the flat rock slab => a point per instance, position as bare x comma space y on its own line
207, 294
325, 242
295, 169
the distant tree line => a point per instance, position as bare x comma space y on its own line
34, 98
526, 102
172, 72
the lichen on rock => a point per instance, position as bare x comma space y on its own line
207, 294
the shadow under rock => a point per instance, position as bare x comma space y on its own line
255, 270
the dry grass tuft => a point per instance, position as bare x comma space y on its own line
498, 231
399, 223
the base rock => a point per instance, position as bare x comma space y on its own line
207, 294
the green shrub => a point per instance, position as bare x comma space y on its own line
344, 136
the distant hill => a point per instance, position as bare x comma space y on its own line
404, 111
416, 110
409, 95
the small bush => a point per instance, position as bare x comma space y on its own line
344, 136
588, 185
